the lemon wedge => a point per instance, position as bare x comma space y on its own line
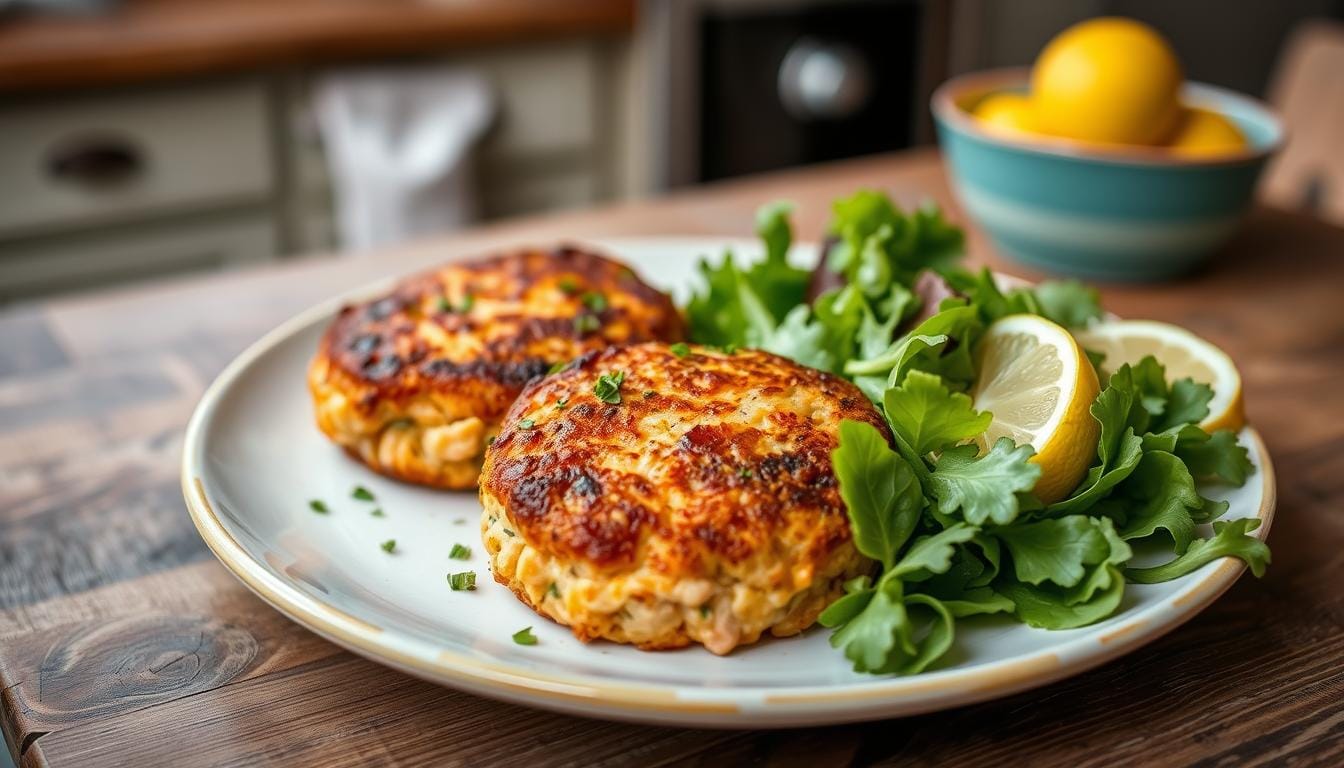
1038, 384
1184, 355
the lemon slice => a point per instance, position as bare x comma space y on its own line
1039, 385
1183, 353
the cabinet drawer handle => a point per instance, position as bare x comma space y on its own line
96, 161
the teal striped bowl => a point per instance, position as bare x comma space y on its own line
1124, 214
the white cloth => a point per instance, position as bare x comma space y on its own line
398, 144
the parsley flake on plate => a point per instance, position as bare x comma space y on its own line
318, 506
389, 546
362, 494
464, 581
460, 552
524, 636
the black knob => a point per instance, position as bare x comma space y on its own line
96, 161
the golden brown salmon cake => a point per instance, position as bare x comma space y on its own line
656, 498
415, 382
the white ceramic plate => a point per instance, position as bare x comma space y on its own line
253, 459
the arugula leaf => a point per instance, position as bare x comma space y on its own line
779, 285
1159, 495
879, 629
1094, 597
929, 416
1188, 403
1120, 412
737, 304
921, 239
875, 629
715, 316
877, 323
881, 495
1068, 302
941, 344
858, 591
802, 340
992, 303
1057, 550
936, 640
1230, 539
854, 220
1215, 455
932, 554
1052, 608
984, 488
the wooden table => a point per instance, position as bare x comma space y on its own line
122, 642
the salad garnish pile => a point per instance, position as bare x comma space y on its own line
954, 524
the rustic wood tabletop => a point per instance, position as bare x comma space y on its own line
123, 642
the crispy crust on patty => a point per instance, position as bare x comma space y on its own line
414, 383
701, 508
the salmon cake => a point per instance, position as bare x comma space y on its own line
414, 383
666, 495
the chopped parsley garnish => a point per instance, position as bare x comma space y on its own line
464, 581
524, 636
680, 349
705, 610
728, 349
608, 387
586, 323
556, 368
389, 545
509, 532
649, 393
527, 423
594, 301
318, 506
377, 512
361, 493
446, 306
553, 590
744, 473
562, 404
568, 285
460, 552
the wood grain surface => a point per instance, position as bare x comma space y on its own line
139, 40
123, 643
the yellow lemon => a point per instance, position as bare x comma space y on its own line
1182, 353
1202, 133
1107, 80
1006, 113
1035, 379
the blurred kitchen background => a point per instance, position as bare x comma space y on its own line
144, 138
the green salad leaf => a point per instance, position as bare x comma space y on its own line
928, 416
984, 488
879, 489
1230, 539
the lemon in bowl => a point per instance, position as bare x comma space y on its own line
1007, 113
1204, 133
1099, 210
1107, 81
